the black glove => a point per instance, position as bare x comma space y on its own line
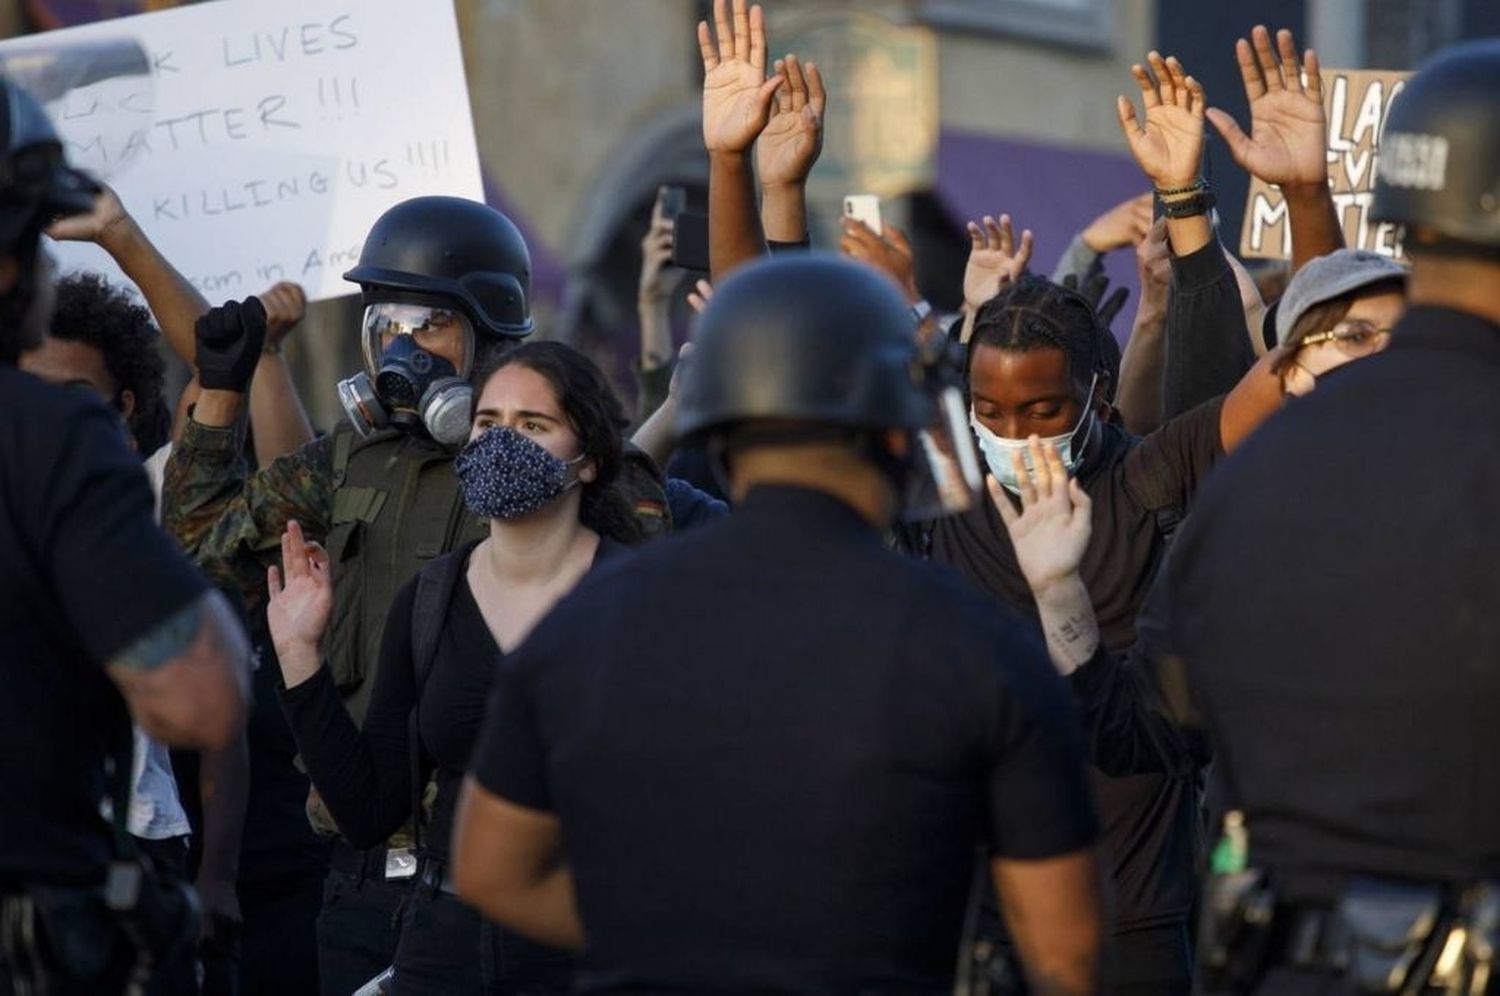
1093, 292
230, 338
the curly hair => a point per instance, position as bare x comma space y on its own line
1035, 313
595, 415
91, 311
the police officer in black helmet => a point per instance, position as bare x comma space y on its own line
444, 281
1342, 645
101, 620
772, 744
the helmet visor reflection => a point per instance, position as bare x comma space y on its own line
945, 478
443, 332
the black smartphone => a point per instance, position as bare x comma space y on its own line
690, 242
673, 201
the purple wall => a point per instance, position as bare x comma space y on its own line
1053, 190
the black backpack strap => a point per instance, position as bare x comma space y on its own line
429, 612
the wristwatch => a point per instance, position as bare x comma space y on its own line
921, 311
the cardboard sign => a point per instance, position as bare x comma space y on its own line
272, 133
1357, 102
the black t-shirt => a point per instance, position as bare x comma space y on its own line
84, 572
774, 745
364, 774
1336, 598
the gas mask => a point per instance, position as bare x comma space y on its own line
407, 382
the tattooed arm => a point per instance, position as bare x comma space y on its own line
186, 679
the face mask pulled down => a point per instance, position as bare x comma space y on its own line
504, 475
998, 450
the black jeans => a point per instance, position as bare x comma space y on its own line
178, 974
1155, 961
358, 925
279, 941
448, 949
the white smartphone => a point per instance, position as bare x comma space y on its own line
865, 208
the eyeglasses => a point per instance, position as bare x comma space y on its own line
1353, 338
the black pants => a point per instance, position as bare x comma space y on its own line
179, 974
1156, 961
279, 941
448, 949
358, 925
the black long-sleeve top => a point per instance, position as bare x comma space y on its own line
1208, 346
1135, 722
364, 775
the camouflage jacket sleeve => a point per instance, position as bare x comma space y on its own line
231, 524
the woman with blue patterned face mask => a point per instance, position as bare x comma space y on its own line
543, 455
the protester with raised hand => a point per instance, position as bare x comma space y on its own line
541, 465
1129, 725
787, 148
277, 419
996, 259
890, 252
1207, 345
1288, 141
1144, 361
659, 281
737, 105
1125, 224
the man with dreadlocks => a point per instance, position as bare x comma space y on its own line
1038, 369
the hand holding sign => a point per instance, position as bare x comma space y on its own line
1288, 138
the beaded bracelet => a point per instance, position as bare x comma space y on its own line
1189, 207
1194, 187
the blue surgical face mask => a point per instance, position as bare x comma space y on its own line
505, 475
998, 450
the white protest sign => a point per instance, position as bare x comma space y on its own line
273, 133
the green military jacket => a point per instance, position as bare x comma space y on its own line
383, 506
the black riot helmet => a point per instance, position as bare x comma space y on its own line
1440, 150
36, 186
455, 249
816, 340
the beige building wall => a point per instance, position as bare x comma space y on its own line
557, 85
1019, 88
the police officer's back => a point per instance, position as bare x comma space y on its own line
1337, 602
96, 607
772, 745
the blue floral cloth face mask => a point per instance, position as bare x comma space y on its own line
506, 475
998, 450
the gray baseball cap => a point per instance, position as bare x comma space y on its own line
1328, 277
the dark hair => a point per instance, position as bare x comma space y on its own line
596, 417
96, 314
1325, 315
1035, 313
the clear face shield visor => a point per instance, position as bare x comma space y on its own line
433, 341
943, 476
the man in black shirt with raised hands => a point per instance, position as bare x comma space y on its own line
101, 620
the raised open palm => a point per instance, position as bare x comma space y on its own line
736, 94
1288, 136
792, 139
1168, 147
301, 592
996, 258
1051, 531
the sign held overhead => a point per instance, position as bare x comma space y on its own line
1356, 102
269, 136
